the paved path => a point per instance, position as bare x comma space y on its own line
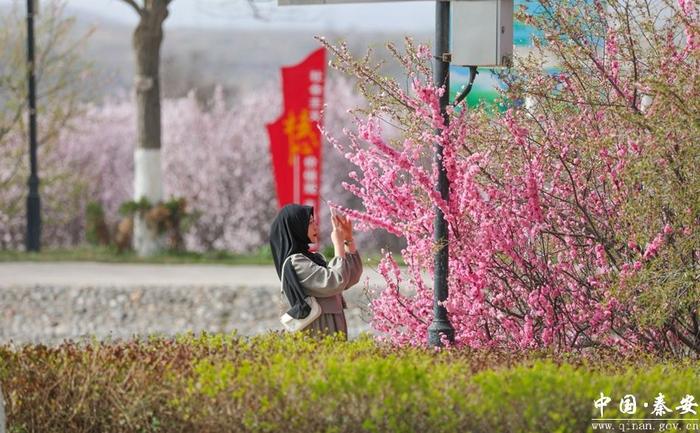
129, 274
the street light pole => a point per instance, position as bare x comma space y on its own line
33, 241
441, 323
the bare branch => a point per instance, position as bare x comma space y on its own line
137, 8
256, 11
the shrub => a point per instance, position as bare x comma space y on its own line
169, 218
297, 382
96, 230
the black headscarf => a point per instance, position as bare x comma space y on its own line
289, 235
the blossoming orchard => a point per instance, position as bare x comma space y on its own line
574, 200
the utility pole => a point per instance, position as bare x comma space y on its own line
33, 240
441, 323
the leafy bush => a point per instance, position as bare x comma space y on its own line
96, 230
170, 217
298, 382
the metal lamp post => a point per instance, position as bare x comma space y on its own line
33, 240
441, 74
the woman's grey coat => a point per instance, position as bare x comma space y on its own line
327, 285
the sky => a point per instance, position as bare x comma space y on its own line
393, 15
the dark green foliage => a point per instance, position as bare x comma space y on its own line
129, 208
96, 230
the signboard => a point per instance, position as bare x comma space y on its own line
295, 138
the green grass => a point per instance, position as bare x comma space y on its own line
108, 255
92, 254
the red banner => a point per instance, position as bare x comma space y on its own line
295, 140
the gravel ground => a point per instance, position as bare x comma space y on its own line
49, 314
47, 303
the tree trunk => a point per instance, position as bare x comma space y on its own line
147, 39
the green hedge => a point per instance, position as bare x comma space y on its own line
298, 383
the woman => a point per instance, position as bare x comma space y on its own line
307, 273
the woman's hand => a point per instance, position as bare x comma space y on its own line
343, 225
338, 236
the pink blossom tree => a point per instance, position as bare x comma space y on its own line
342, 100
219, 160
215, 155
573, 219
